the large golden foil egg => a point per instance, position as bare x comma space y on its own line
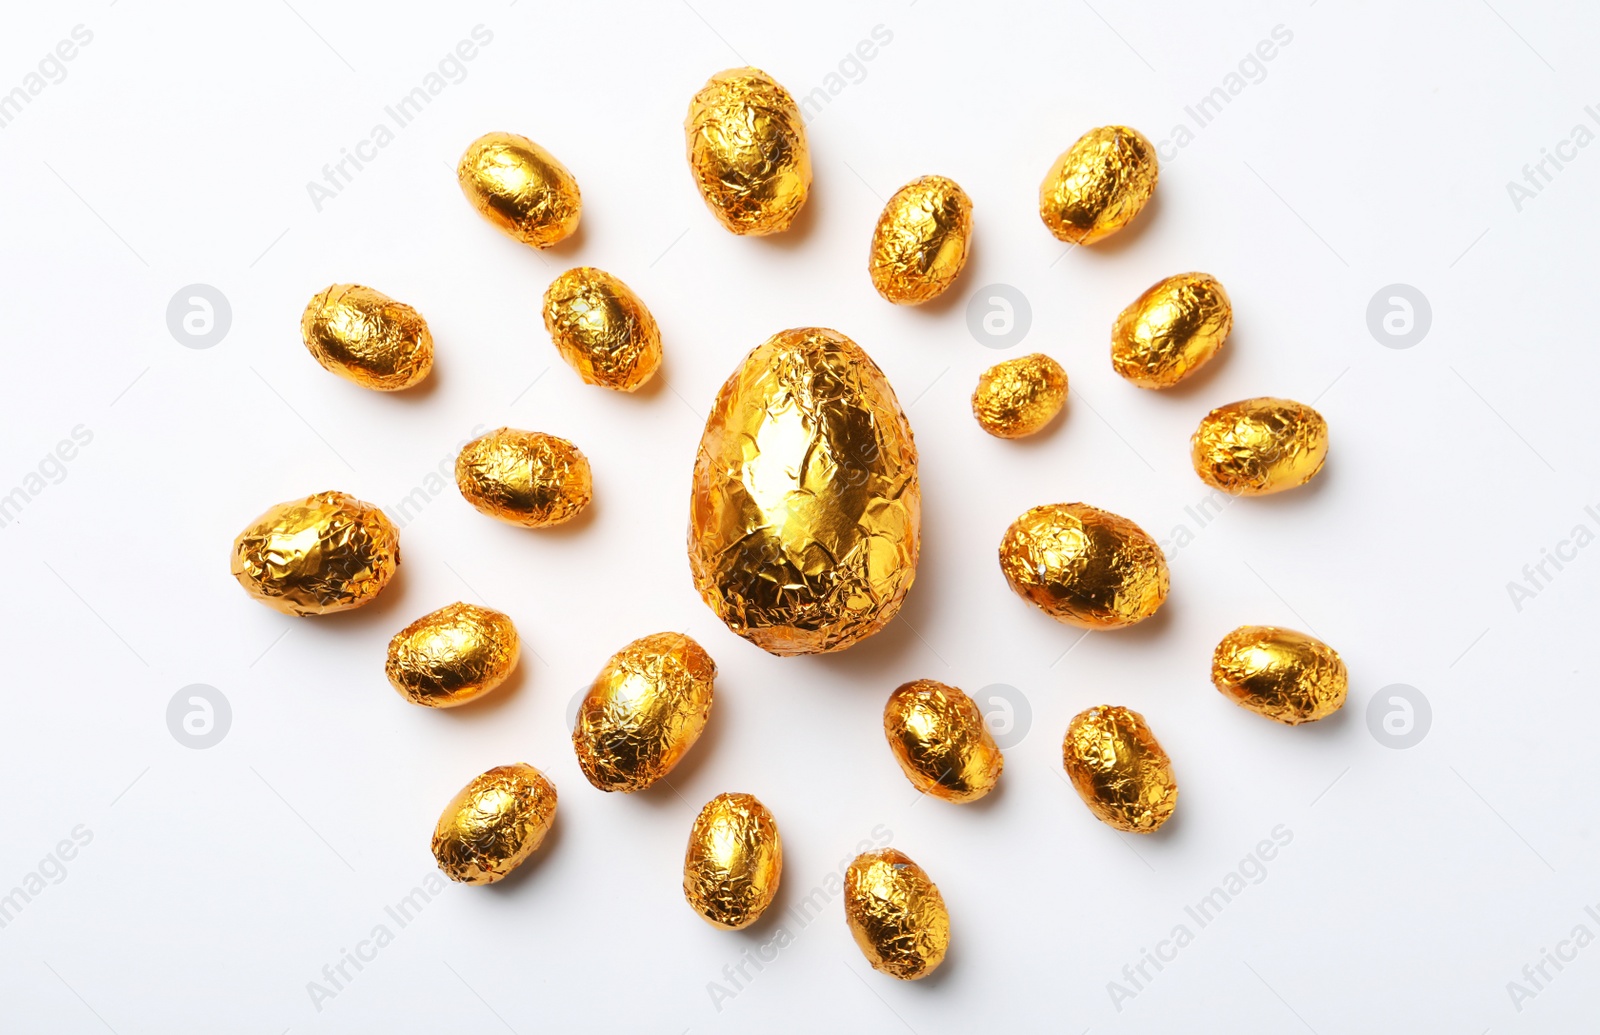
520, 188
747, 151
1084, 566
524, 477
1259, 446
1098, 185
805, 514
644, 711
1019, 397
920, 242
494, 823
734, 861
1171, 330
896, 914
329, 552
1285, 675
367, 337
453, 655
602, 329
1119, 770
941, 741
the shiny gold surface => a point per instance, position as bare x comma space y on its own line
747, 151
602, 329
494, 824
1285, 675
941, 741
524, 477
1084, 566
1119, 770
453, 655
1171, 330
920, 242
329, 552
734, 861
367, 337
1098, 184
1259, 446
896, 914
644, 711
806, 511
1019, 396
520, 188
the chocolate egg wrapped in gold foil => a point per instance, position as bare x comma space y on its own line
1119, 770
896, 914
1259, 446
1171, 330
1285, 675
941, 741
367, 337
520, 188
1084, 566
734, 861
806, 511
453, 655
329, 552
920, 242
1098, 185
602, 329
1020, 396
747, 151
494, 823
644, 711
524, 477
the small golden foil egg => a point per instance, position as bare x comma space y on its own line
524, 477
734, 861
1285, 675
1259, 446
644, 711
747, 151
805, 510
1084, 566
941, 741
494, 823
896, 914
367, 337
1171, 330
1098, 184
602, 329
920, 242
520, 188
329, 552
452, 656
1019, 396
1119, 770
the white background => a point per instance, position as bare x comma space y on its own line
1376, 150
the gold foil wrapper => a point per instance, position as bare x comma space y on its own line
1119, 770
453, 655
747, 151
524, 477
602, 329
1084, 566
1259, 446
1019, 397
1285, 675
1171, 330
644, 711
367, 337
520, 188
734, 861
806, 511
1098, 185
326, 553
494, 824
942, 741
921, 240
896, 914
